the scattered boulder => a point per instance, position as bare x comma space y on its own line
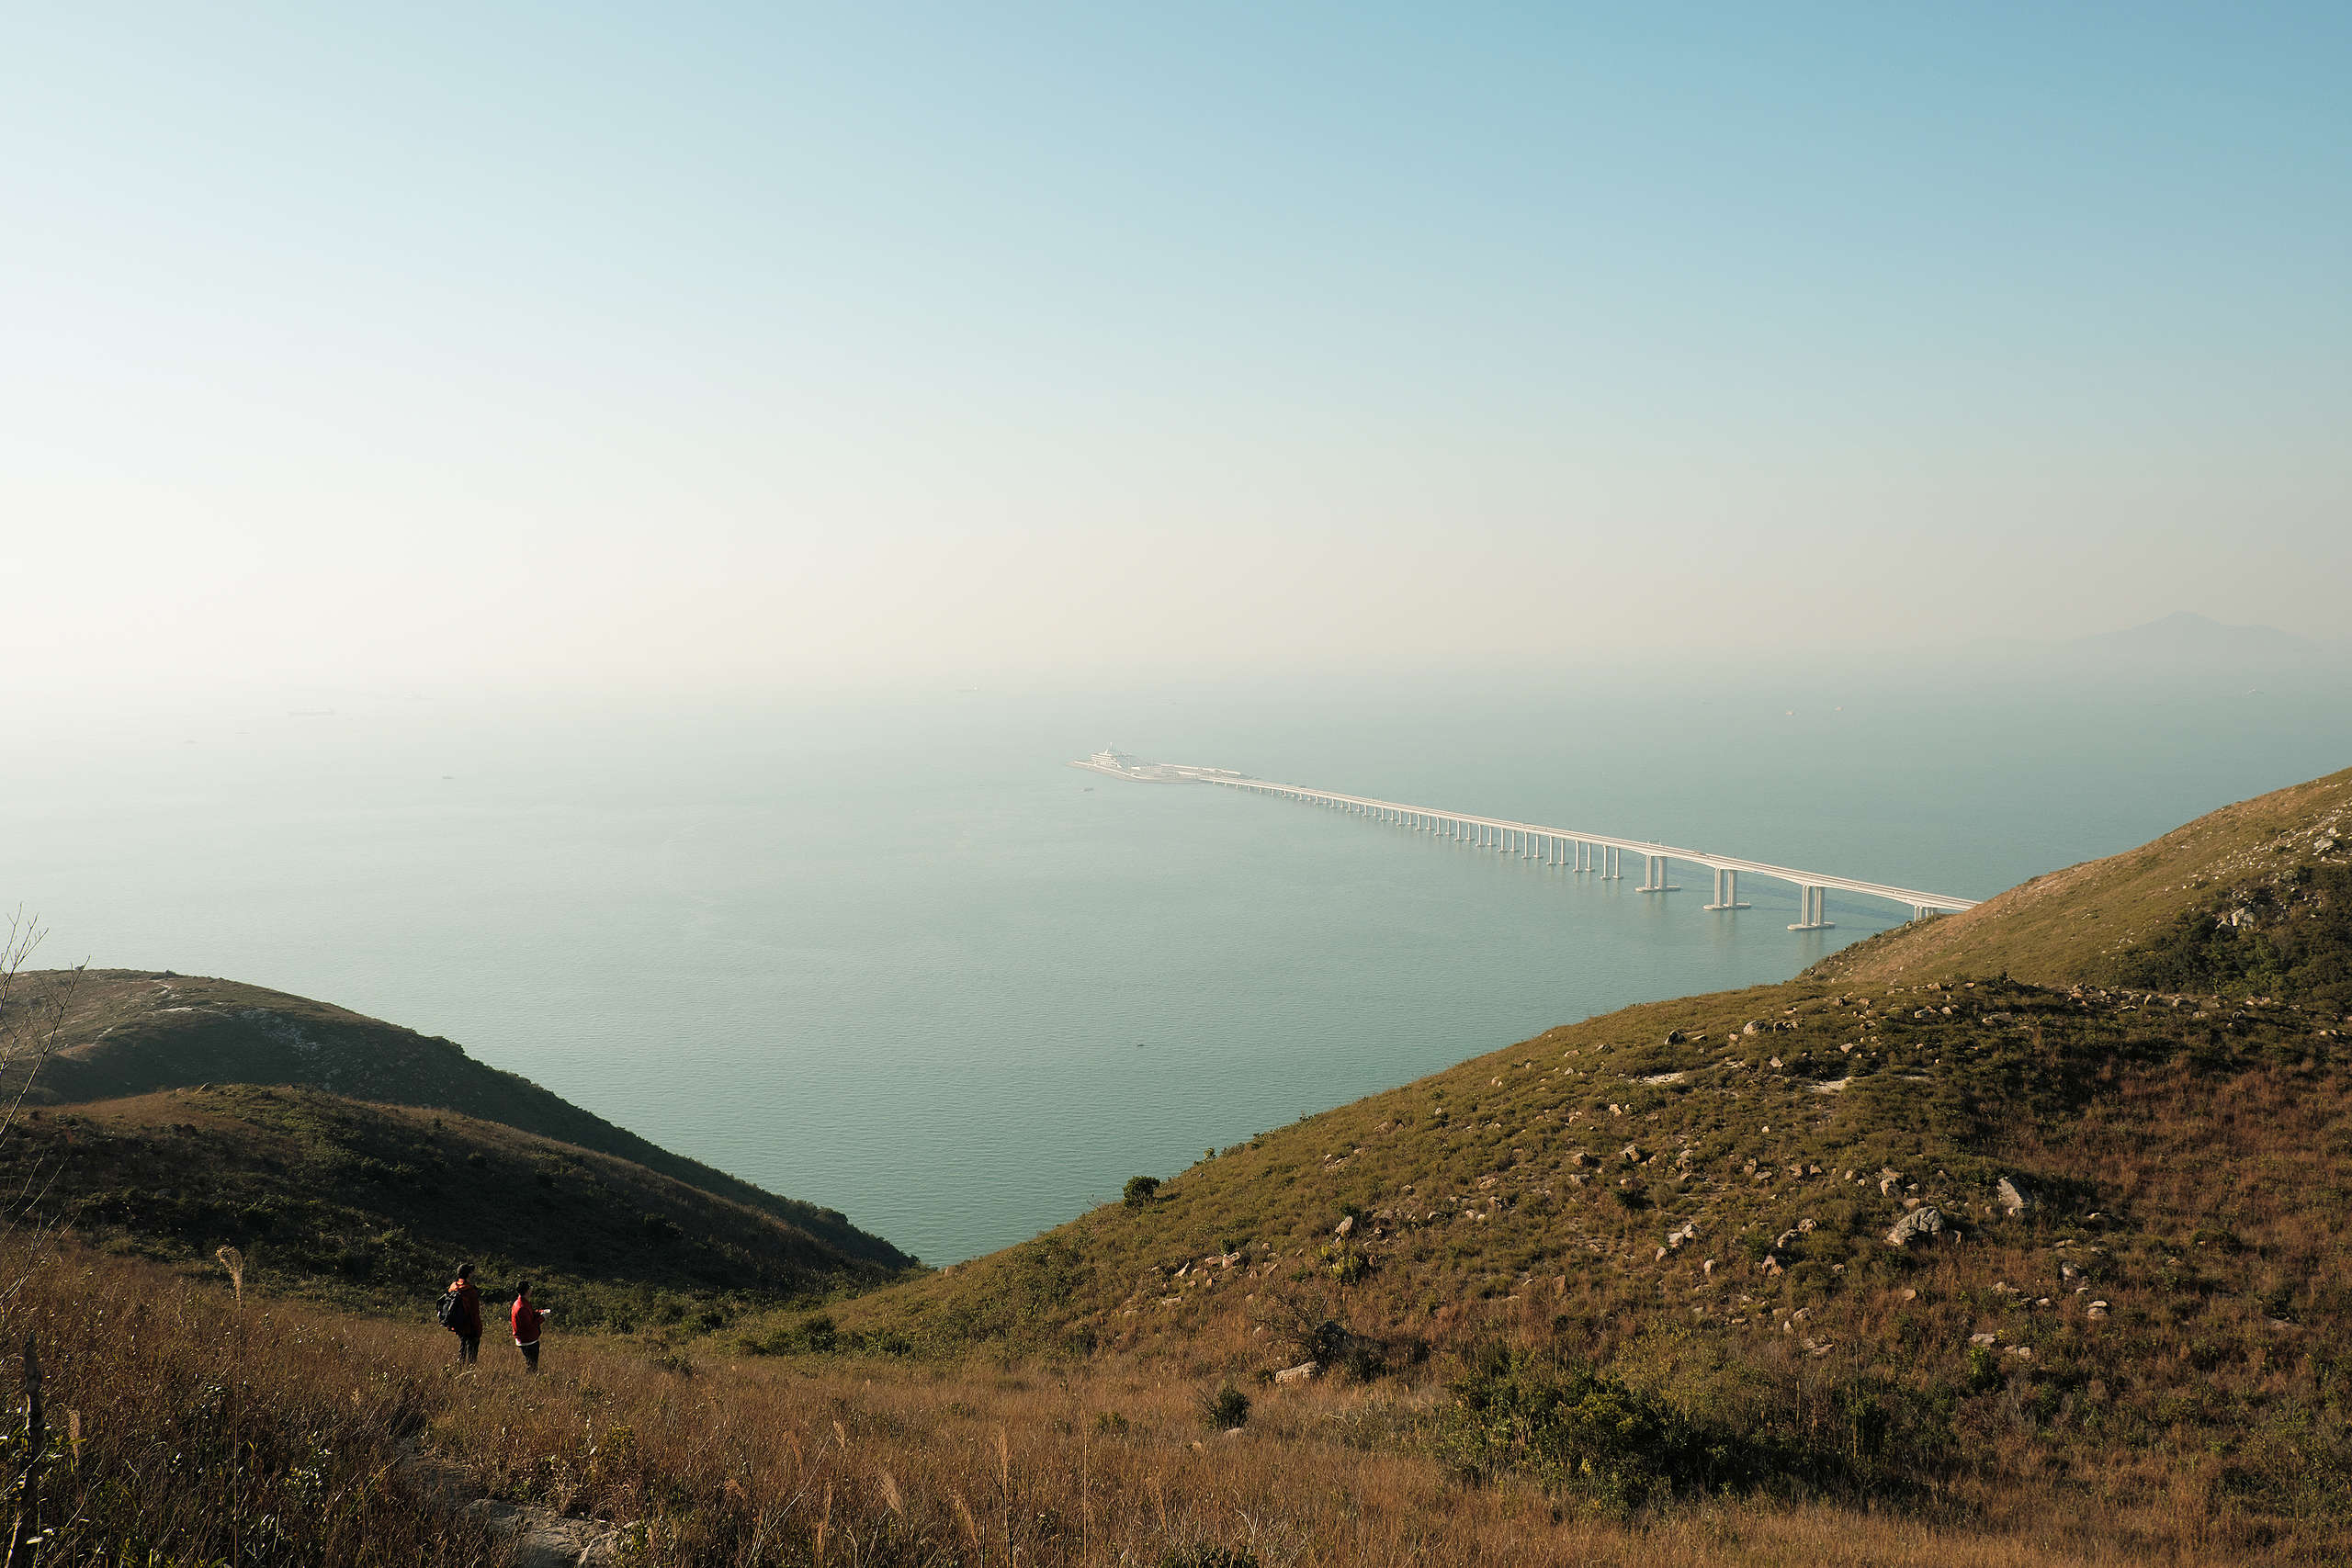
1298, 1373
1675, 1037
2099, 1309
1919, 1224
1346, 1227
2014, 1198
1751, 1028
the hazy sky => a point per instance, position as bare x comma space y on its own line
771, 346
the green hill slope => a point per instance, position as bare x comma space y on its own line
375, 1204
2254, 899
133, 1033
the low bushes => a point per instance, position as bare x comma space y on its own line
1686, 1426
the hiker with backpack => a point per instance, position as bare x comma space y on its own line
527, 1319
459, 1310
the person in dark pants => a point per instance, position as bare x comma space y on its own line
465, 1316
527, 1319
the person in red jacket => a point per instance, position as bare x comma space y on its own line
527, 1319
465, 1321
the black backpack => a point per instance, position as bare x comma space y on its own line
448, 1309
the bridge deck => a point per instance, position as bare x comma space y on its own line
1910, 895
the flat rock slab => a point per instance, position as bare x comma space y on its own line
536, 1537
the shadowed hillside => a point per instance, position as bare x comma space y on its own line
133, 1033
375, 1204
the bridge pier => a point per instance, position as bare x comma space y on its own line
1814, 904
1561, 847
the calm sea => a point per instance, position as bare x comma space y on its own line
897, 958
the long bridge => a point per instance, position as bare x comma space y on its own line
1602, 854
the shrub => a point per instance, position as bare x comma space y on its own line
1347, 1261
1141, 1190
1226, 1408
814, 1334
1565, 1425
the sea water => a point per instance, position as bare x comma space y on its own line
896, 957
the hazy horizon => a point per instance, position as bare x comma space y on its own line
744, 349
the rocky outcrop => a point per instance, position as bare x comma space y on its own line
1921, 1223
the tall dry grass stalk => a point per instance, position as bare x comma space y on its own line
234, 1262
30, 1026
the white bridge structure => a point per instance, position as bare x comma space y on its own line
1599, 854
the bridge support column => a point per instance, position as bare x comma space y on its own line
1726, 891
1614, 859
1654, 875
1814, 904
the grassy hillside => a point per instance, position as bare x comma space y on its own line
133, 1033
2254, 899
1674, 1222
375, 1204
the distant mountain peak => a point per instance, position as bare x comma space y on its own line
2185, 634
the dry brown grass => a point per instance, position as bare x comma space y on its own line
278, 1435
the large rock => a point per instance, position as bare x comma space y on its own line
1919, 1224
2014, 1198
